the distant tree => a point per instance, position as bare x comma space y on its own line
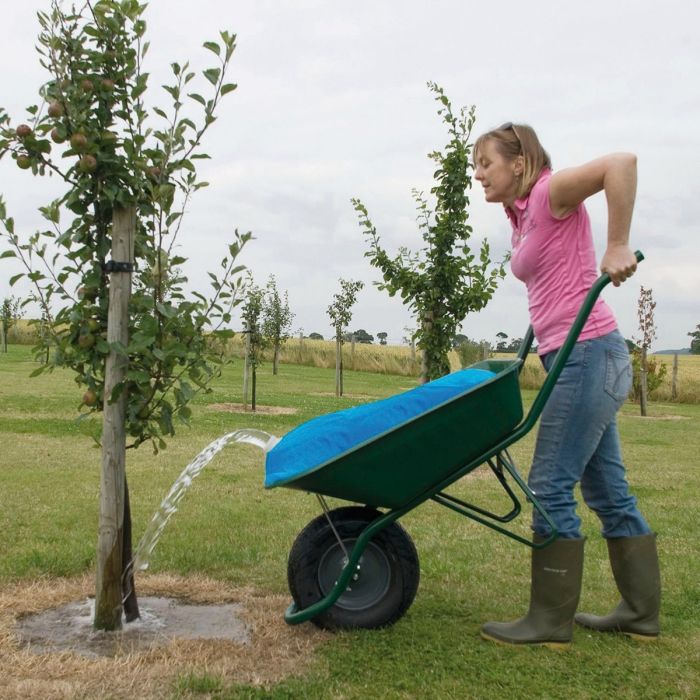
469, 351
382, 338
340, 314
410, 340
695, 342
255, 340
277, 320
315, 336
459, 339
501, 345
514, 345
362, 336
9, 314
448, 280
647, 374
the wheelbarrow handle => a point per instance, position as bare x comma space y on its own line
565, 350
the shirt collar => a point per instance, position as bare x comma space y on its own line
520, 205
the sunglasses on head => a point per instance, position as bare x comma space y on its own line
508, 126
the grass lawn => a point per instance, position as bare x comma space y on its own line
230, 529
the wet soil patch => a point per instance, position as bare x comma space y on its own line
265, 410
69, 627
191, 627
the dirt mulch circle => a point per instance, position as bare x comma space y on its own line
344, 396
663, 416
265, 410
191, 626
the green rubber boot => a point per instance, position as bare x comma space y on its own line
635, 566
554, 594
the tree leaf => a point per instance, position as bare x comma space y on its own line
212, 75
198, 98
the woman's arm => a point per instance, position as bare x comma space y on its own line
616, 174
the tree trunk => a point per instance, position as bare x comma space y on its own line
246, 370
131, 604
108, 597
275, 358
352, 351
338, 367
674, 378
643, 382
253, 378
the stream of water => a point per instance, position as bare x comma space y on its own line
170, 503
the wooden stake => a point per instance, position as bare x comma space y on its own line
108, 599
674, 378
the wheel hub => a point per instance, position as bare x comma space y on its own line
370, 582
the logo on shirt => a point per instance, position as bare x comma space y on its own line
526, 225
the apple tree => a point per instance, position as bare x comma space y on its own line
448, 280
277, 319
10, 313
256, 342
340, 313
121, 163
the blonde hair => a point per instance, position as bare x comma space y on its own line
513, 140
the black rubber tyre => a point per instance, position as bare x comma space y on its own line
387, 578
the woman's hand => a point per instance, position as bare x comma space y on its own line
619, 262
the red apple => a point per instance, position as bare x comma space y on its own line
56, 110
78, 141
87, 164
23, 130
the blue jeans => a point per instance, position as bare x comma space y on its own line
578, 441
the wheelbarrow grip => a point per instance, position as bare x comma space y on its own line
565, 350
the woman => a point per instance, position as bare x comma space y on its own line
577, 442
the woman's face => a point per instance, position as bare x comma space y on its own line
497, 175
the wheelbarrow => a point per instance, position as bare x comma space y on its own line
356, 566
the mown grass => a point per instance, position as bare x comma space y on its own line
228, 527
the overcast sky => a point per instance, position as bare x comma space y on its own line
333, 104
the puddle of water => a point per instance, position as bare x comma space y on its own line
69, 627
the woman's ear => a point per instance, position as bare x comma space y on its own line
518, 165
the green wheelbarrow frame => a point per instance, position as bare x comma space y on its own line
493, 413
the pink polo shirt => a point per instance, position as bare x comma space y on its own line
556, 260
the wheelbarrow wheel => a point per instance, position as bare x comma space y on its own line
386, 581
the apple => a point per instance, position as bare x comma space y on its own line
107, 84
87, 164
86, 85
23, 130
89, 398
56, 110
24, 162
86, 341
78, 141
57, 136
108, 138
87, 293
